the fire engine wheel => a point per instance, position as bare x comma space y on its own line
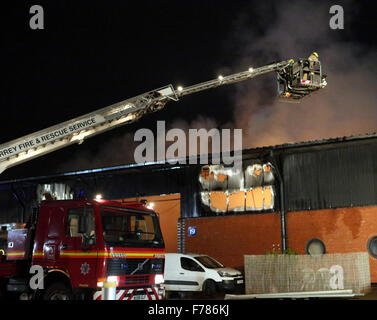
58, 291
209, 288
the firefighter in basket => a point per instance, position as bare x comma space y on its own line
309, 65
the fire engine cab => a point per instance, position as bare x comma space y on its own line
81, 245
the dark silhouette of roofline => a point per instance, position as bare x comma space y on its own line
168, 166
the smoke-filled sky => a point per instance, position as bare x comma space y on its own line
93, 55
288, 29
347, 106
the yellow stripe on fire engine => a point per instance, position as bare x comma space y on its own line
38, 254
131, 254
14, 254
79, 254
106, 254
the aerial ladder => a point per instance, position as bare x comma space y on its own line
291, 88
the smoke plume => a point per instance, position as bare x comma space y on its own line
274, 31
347, 106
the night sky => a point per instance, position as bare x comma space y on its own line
95, 53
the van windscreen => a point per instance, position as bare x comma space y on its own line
208, 262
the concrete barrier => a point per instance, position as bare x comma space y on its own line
277, 273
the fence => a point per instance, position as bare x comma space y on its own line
297, 273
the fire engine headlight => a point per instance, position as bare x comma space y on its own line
113, 279
100, 282
159, 278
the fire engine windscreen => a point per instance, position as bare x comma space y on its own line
126, 228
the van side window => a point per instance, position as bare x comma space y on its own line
191, 265
73, 223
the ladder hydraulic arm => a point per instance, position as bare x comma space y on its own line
77, 130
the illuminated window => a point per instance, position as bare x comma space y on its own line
227, 189
236, 201
254, 199
219, 201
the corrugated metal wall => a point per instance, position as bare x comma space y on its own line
16, 202
344, 175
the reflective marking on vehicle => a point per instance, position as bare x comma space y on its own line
104, 254
135, 294
16, 254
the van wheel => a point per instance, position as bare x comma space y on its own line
58, 291
209, 288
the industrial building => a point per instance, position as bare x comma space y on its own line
310, 197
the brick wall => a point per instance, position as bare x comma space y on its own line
341, 230
229, 238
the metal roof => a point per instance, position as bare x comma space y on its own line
168, 166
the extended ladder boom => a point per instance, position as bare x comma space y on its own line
76, 130
233, 78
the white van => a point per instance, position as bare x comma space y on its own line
198, 272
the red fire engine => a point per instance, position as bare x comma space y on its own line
81, 245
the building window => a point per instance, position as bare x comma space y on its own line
372, 246
315, 246
225, 189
